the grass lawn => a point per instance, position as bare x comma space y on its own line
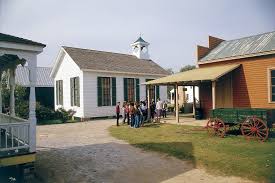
232, 155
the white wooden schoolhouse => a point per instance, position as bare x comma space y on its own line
91, 82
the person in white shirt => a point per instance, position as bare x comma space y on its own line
159, 110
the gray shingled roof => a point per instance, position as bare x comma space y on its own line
43, 77
14, 39
261, 44
115, 62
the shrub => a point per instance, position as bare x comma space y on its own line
170, 107
44, 113
64, 115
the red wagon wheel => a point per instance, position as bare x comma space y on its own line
216, 126
254, 127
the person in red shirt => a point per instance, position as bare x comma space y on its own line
117, 113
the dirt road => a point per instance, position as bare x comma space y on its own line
85, 152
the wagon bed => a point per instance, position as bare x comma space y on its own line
252, 122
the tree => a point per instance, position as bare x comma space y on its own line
187, 68
170, 70
169, 87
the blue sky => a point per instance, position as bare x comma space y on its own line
173, 28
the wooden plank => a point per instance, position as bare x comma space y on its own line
17, 160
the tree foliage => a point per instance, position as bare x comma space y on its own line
187, 68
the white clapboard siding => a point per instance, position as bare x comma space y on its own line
67, 70
88, 89
90, 93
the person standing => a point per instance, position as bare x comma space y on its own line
152, 109
132, 114
144, 112
164, 109
159, 109
127, 116
117, 113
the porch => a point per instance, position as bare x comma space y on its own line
17, 136
14, 136
215, 86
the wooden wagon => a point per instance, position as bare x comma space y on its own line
253, 123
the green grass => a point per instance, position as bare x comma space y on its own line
232, 155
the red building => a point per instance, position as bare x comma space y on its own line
238, 73
249, 85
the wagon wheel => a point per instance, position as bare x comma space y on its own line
254, 127
216, 126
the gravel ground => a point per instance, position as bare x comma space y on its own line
85, 152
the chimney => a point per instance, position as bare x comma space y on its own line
202, 51
213, 42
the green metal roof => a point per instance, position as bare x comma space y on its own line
14, 39
140, 40
262, 44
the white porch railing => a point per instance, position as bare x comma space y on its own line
14, 133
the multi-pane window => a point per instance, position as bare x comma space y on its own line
59, 92
131, 89
272, 85
75, 95
153, 91
106, 91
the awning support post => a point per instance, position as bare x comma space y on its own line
148, 103
12, 89
1, 72
177, 103
194, 102
213, 94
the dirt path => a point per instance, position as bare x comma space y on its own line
85, 152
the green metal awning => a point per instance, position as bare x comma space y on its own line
195, 75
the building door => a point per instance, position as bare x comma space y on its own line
224, 92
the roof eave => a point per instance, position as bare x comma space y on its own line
118, 72
237, 57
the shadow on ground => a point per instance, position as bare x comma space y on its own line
111, 162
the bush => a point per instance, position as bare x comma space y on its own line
64, 115
170, 107
44, 113
22, 109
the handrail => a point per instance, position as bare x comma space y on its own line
14, 136
4, 118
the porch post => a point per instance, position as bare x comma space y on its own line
12, 88
148, 103
213, 94
32, 103
194, 102
177, 103
1, 72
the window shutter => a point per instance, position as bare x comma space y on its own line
61, 92
125, 90
137, 90
157, 92
77, 94
72, 91
113, 91
99, 91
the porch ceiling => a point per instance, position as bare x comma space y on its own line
193, 77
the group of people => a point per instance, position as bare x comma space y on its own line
135, 114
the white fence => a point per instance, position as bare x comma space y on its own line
14, 133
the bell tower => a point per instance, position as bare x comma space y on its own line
140, 49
